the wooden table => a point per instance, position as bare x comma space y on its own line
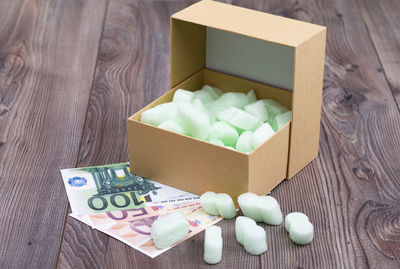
72, 71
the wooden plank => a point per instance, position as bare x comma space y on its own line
132, 71
383, 25
355, 181
48, 53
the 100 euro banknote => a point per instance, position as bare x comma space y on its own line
109, 188
137, 232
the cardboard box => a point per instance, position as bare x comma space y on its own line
236, 49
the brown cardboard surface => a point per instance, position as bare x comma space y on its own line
249, 22
197, 166
187, 50
186, 163
307, 96
268, 163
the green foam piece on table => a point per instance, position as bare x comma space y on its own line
218, 204
301, 232
250, 235
158, 114
262, 134
213, 245
251, 96
244, 143
172, 126
216, 142
182, 95
257, 109
280, 120
224, 132
194, 121
170, 229
273, 107
239, 118
260, 208
294, 217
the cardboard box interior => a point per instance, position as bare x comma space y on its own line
198, 166
236, 49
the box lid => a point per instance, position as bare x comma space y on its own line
249, 22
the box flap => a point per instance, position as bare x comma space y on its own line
249, 22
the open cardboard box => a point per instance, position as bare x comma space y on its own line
236, 49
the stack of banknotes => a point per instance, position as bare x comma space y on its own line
116, 202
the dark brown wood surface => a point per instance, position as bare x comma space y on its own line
71, 72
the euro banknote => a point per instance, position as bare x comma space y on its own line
108, 188
137, 233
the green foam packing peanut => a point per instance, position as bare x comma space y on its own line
260, 208
232, 99
170, 229
234, 120
250, 235
214, 91
158, 114
216, 141
244, 143
262, 134
181, 95
239, 118
294, 217
224, 132
172, 126
218, 204
194, 121
213, 245
280, 120
257, 109
251, 96
204, 95
274, 108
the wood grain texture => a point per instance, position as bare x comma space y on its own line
132, 71
48, 53
50, 80
355, 180
383, 24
